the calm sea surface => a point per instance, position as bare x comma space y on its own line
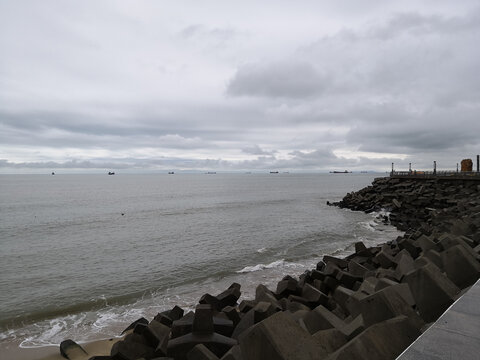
81, 256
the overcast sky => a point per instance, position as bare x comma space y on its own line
238, 86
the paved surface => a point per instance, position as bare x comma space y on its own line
455, 335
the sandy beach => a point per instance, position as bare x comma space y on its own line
14, 352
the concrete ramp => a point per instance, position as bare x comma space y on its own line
455, 335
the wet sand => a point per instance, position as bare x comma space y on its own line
12, 351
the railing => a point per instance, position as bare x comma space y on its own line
416, 173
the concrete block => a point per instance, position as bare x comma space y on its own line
235, 353
201, 352
435, 257
321, 318
247, 321
157, 335
461, 267
330, 282
183, 326
368, 285
432, 290
246, 305
287, 287
142, 320
385, 304
346, 279
354, 327
294, 306
425, 243
262, 293
330, 339
410, 246
178, 348
211, 300
314, 295
360, 246
69, 349
262, 310
341, 296
341, 263
384, 259
203, 319
130, 350
384, 340
230, 296
232, 313
280, 338
356, 269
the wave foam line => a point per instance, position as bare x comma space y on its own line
272, 265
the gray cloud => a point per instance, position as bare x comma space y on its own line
256, 150
292, 79
87, 85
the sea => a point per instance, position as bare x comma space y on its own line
82, 256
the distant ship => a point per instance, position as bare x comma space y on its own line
340, 172
171, 173
53, 173
211, 172
111, 173
273, 172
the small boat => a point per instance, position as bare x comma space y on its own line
171, 173
340, 172
53, 173
211, 172
273, 172
111, 173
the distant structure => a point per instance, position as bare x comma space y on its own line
111, 173
466, 165
466, 171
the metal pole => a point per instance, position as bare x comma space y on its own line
434, 167
478, 163
457, 167
392, 168
409, 167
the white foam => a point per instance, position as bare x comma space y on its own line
262, 250
275, 264
369, 225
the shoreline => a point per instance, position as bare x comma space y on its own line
336, 290
12, 350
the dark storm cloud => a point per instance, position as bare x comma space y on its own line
295, 80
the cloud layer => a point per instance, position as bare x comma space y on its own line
150, 87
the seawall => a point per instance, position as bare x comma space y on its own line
370, 305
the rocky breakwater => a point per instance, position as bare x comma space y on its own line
369, 305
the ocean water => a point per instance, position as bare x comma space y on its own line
81, 256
